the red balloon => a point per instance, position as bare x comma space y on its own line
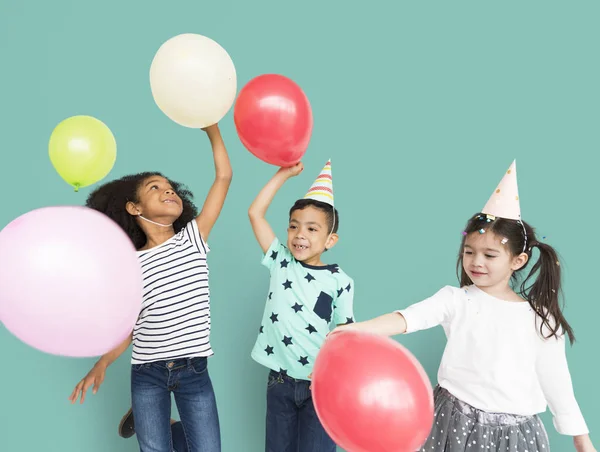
273, 119
371, 394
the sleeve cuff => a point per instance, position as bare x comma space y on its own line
407, 318
267, 259
200, 244
571, 425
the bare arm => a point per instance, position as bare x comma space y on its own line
390, 324
258, 209
218, 192
109, 358
583, 443
95, 376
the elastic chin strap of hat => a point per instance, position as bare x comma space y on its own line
524, 234
333, 224
154, 222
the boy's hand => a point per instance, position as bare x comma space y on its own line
293, 170
94, 377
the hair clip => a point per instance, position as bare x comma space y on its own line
504, 240
481, 231
464, 232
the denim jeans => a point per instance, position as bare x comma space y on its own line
292, 422
188, 380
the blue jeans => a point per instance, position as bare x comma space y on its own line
188, 380
292, 422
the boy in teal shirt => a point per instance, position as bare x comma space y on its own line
305, 298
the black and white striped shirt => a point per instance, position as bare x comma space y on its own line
174, 321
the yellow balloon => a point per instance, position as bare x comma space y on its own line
82, 150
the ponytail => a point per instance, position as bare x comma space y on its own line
544, 293
542, 286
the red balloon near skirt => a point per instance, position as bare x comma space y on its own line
371, 394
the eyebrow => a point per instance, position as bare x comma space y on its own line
486, 249
308, 222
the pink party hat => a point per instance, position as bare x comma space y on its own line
504, 202
322, 188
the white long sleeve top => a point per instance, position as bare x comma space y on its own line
496, 359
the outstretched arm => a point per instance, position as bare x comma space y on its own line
218, 191
258, 209
386, 325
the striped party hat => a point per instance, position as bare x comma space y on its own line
322, 188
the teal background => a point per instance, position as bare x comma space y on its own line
422, 106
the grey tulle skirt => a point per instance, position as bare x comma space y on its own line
458, 427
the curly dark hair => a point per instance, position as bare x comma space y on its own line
112, 197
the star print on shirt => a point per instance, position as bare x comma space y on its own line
283, 372
287, 284
287, 341
311, 329
309, 277
274, 317
340, 291
348, 288
261, 329
297, 307
269, 350
349, 320
284, 263
270, 295
334, 270
303, 360
274, 254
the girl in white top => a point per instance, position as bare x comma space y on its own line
505, 355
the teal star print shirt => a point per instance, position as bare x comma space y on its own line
303, 303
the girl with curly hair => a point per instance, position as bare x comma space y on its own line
171, 338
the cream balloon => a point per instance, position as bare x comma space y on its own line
193, 80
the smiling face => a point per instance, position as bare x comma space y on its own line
157, 200
308, 235
487, 261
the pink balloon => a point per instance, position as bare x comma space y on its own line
70, 281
